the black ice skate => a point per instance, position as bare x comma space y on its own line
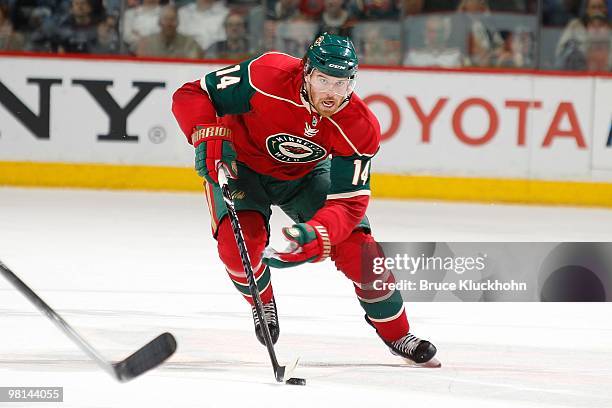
411, 348
271, 318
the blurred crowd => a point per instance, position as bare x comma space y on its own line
547, 34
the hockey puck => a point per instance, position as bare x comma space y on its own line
296, 381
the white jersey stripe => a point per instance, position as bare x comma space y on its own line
388, 319
378, 299
267, 94
241, 274
348, 140
348, 195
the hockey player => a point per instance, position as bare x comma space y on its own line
290, 132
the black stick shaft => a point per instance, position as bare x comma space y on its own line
55, 318
248, 269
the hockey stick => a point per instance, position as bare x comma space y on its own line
147, 357
281, 373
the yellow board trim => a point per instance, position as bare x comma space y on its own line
522, 191
105, 176
159, 178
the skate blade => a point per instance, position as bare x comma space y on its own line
433, 363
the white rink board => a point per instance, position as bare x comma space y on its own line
76, 118
602, 125
488, 124
445, 153
562, 153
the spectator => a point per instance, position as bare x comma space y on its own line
108, 35
412, 7
436, 52
506, 56
473, 6
377, 49
559, 12
33, 19
574, 36
77, 32
269, 35
62, 7
599, 55
168, 42
236, 44
596, 7
141, 21
516, 50
375, 9
591, 50
573, 56
294, 37
312, 9
482, 40
203, 21
114, 6
335, 19
43, 28
28, 15
9, 39
285, 10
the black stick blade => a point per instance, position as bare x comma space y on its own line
148, 357
283, 372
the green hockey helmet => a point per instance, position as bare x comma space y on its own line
332, 55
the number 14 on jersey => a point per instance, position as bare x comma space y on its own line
228, 80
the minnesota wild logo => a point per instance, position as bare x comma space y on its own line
293, 149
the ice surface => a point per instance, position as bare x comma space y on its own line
122, 267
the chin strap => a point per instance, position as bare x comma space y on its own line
305, 94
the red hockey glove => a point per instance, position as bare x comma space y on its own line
308, 242
213, 149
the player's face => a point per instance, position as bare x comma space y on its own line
326, 92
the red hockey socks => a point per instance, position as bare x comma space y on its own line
255, 236
384, 307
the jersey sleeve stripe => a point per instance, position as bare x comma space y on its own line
348, 140
265, 93
350, 194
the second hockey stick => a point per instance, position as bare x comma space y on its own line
147, 357
281, 373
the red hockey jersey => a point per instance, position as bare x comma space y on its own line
276, 132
